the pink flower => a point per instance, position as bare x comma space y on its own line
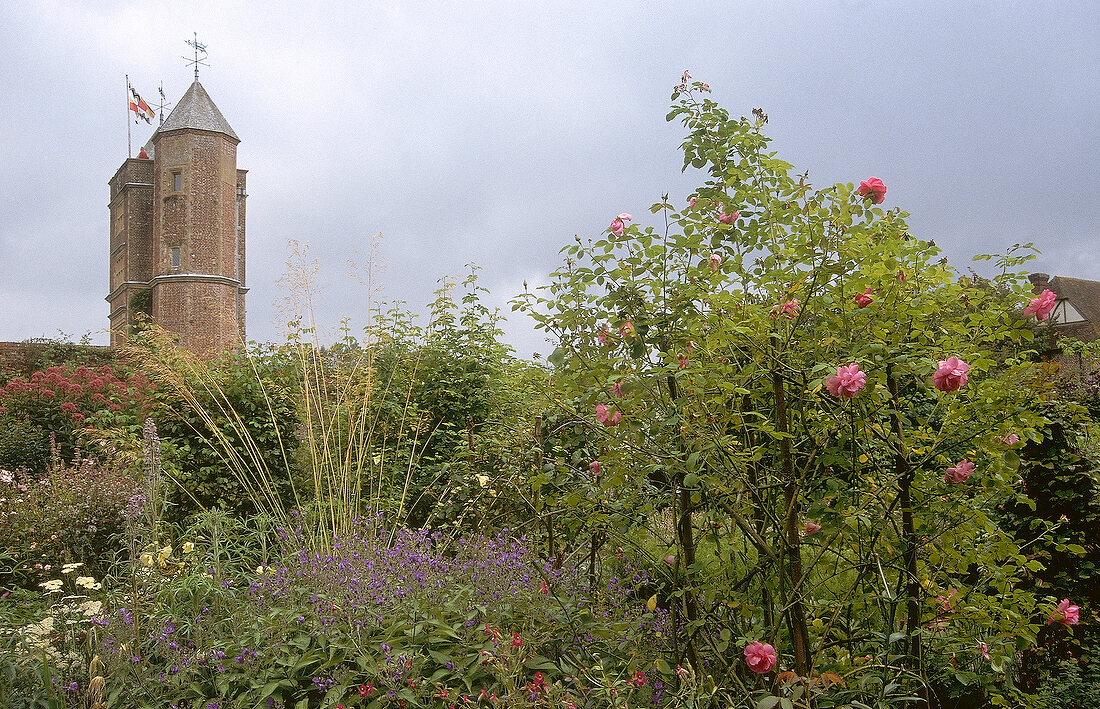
639, 679
847, 381
1010, 440
627, 330
951, 374
618, 224
683, 361
691, 202
607, 417
1040, 307
984, 650
594, 468
543, 588
788, 308
604, 336
760, 657
728, 218
715, 260
945, 601
959, 472
874, 189
617, 390
811, 528
1065, 614
670, 559
901, 276
864, 299
686, 76
517, 641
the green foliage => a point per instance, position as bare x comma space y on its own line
714, 338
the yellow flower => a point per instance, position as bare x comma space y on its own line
188, 547
146, 559
482, 480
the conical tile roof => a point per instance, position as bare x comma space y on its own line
196, 110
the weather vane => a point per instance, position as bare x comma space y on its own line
197, 60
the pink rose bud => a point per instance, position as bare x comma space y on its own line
1010, 440
617, 226
847, 381
864, 299
951, 374
760, 657
788, 308
714, 260
811, 528
728, 218
691, 202
873, 189
1040, 307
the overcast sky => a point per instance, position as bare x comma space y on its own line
492, 132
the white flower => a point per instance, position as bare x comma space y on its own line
88, 582
69, 568
51, 585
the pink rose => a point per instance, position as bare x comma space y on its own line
788, 309
607, 417
1065, 614
1040, 307
874, 189
1010, 440
686, 76
691, 202
951, 374
811, 528
847, 381
604, 336
984, 650
627, 330
864, 299
618, 224
715, 260
617, 390
760, 657
959, 472
728, 218
594, 468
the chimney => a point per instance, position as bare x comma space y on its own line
1039, 281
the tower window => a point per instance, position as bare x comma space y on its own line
175, 257
177, 181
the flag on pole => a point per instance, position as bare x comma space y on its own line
138, 106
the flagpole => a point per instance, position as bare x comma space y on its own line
129, 148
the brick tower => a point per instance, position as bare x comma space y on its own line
177, 231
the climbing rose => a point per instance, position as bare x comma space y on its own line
618, 223
864, 299
1010, 440
789, 308
605, 416
951, 374
715, 261
1065, 614
760, 657
691, 202
847, 381
873, 188
1040, 307
811, 528
959, 472
728, 218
